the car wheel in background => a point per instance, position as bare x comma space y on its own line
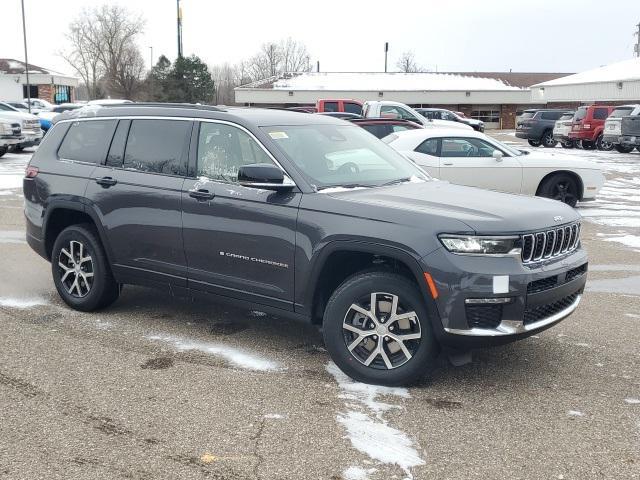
534, 143
3, 149
638, 148
81, 271
562, 187
568, 144
547, 140
17, 148
587, 145
623, 148
602, 145
376, 329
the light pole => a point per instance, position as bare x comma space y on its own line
386, 51
26, 57
179, 13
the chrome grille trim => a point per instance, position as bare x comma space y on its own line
562, 240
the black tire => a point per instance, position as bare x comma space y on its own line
3, 149
547, 139
638, 148
405, 370
92, 292
562, 187
602, 145
17, 148
568, 144
587, 145
623, 148
534, 143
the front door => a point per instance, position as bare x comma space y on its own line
470, 161
137, 194
239, 241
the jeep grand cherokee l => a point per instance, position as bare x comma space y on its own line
301, 215
536, 126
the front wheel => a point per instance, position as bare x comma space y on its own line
568, 144
601, 144
3, 149
562, 187
623, 148
547, 140
81, 271
587, 145
534, 143
377, 330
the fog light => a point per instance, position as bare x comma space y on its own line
488, 301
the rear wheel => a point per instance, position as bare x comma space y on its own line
562, 187
567, 144
534, 143
602, 145
623, 148
17, 148
547, 140
81, 271
587, 145
3, 149
376, 329
638, 148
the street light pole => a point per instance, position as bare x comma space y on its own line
179, 13
386, 51
26, 58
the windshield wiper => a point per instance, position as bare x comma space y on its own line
346, 185
396, 181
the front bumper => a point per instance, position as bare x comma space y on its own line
561, 137
629, 140
30, 139
9, 140
524, 133
611, 137
538, 297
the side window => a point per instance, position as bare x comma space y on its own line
429, 147
600, 113
429, 114
352, 108
87, 141
157, 146
404, 114
400, 128
115, 158
466, 147
223, 149
330, 106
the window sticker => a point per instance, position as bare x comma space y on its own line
278, 135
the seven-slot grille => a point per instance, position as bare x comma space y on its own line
550, 243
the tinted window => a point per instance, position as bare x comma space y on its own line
397, 112
600, 113
466, 147
551, 115
379, 131
430, 114
116, 151
621, 112
429, 147
87, 141
8, 108
157, 146
223, 149
352, 108
330, 106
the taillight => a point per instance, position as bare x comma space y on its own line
586, 126
31, 172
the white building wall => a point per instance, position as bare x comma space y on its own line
9, 89
588, 92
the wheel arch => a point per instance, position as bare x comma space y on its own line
577, 178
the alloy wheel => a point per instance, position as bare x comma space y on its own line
564, 191
76, 269
380, 332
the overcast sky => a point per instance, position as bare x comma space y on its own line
348, 35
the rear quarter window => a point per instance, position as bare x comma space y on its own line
87, 141
600, 113
551, 115
352, 108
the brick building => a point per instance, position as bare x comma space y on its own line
493, 97
46, 84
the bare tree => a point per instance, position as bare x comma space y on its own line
407, 63
273, 59
295, 57
125, 80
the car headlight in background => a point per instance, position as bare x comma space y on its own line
481, 245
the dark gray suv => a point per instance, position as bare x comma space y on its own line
303, 216
536, 126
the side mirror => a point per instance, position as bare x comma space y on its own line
263, 175
497, 155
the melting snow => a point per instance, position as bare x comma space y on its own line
21, 302
632, 401
275, 416
12, 236
233, 355
575, 413
358, 473
367, 430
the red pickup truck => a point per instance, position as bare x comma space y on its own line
349, 106
588, 127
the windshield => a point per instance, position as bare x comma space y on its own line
580, 114
343, 156
7, 108
621, 112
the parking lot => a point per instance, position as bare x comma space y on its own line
163, 388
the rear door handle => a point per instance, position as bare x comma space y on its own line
106, 182
201, 194
448, 164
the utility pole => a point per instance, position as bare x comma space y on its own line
151, 58
386, 51
179, 13
636, 47
26, 58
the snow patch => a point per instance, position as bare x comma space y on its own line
257, 313
12, 236
232, 355
358, 473
575, 413
632, 401
275, 416
632, 315
21, 302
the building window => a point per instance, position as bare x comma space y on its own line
61, 94
486, 115
33, 90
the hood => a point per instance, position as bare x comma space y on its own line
537, 158
17, 115
473, 121
446, 124
483, 211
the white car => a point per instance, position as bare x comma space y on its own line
387, 108
474, 159
31, 133
39, 105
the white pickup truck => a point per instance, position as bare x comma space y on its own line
31, 133
10, 135
389, 109
613, 126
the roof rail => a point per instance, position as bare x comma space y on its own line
210, 108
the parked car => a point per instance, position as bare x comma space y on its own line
304, 216
10, 135
340, 105
561, 130
47, 117
381, 127
342, 115
38, 104
630, 132
613, 126
588, 127
30, 130
476, 160
448, 115
389, 109
536, 126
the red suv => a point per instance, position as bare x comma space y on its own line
588, 127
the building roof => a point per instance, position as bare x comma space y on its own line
616, 72
424, 81
17, 67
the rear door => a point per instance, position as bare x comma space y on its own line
137, 194
470, 161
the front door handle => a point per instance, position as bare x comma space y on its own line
106, 182
201, 194
448, 164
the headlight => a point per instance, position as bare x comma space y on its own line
480, 245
